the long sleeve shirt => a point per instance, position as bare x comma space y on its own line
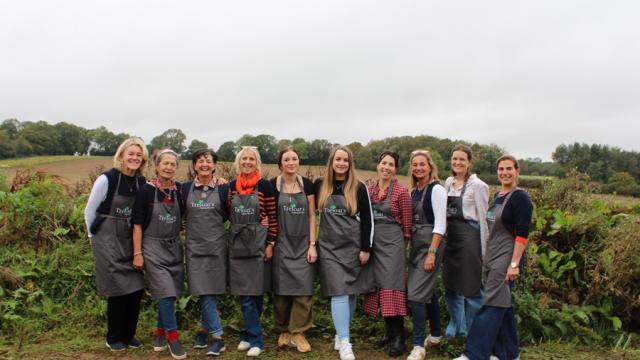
400, 204
267, 201
475, 203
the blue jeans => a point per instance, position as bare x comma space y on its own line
251, 307
460, 320
342, 310
167, 314
419, 313
493, 332
209, 318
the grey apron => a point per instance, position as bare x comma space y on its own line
206, 242
112, 248
387, 258
462, 269
421, 283
292, 274
500, 245
162, 250
246, 247
338, 248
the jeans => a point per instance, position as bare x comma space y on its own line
251, 307
419, 312
167, 314
209, 318
460, 320
493, 332
342, 309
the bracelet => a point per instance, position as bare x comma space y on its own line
312, 243
433, 250
137, 253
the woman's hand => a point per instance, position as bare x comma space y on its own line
312, 254
512, 274
268, 252
364, 257
430, 262
138, 261
265, 222
221, 181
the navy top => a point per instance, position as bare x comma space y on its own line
143, 207
223, 193
127, 188
516, 215
416, 195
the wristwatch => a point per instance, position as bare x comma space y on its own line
513, 265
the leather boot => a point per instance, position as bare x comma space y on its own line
386, 338
398, 346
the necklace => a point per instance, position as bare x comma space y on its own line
166, 194
128, 182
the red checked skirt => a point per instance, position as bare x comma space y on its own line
390, 302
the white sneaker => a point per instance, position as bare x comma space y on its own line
432, 341
493, 357
462, 357
254, 351
346, 352
244, 345
336, 343
417, 353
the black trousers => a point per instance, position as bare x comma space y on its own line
122, 317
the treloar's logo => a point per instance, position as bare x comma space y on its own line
334, 210
201, 204
126, 211
244, 211
294, 209
167, 218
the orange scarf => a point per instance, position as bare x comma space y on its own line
246, 183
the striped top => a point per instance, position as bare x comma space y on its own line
401, 208
267, 199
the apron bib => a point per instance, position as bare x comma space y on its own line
388, 255
462, 271
112, 247
421, 284
500, 247
162, 250
292, 274
247, 273
206, 242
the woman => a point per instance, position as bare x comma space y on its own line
294, 252
254, 229
157, 247
206, 245
493, 331
467, 204
429, 200
345, 240
392, 230
107, 216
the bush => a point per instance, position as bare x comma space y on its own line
622, 183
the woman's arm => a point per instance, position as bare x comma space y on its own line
96, 197
481, 198
366, 223
138, 260
439, 206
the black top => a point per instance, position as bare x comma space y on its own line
516, 215
143, 207
427, 206
307, 186
127, 187
363, 212
223, 193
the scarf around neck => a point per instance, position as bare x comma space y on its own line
246, 183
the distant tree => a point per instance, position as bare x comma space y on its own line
173, 139
7, 146
39, 136
11, 127
227, 151
319, 151
71, 139
193, 147
302, 147
268, 148
104, 142
283, 143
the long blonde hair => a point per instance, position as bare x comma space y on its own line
251, 149
434, 169
350, 187
117, 157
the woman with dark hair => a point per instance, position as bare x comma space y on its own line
157, 247
294, 252
344, 242
254, 230
467, 204
206, 246
429, 226
107, 216
392, 214
493, 331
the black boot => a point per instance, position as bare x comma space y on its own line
386, 338
398, 346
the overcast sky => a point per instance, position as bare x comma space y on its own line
526, 75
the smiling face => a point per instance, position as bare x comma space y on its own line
248, 163
340, 164
166, 167
132, 159
205, 166
420, 168
507, 173
386, 167
290, 162
460, 162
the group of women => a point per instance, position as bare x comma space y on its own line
271, 246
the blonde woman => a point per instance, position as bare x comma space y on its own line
107, 216
344, 242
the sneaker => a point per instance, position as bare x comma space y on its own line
116, 346
134, 343
216, 347
300, 342
200, 341
462, 357
346, 352
418, 353
493, 357
336, 343
283, 339
254, 351
176, 350
432, 341
159, 343
244, 345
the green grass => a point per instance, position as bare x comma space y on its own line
39, 160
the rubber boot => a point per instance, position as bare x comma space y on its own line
398, 346
386, 338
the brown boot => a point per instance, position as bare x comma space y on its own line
300, 342
283, 339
